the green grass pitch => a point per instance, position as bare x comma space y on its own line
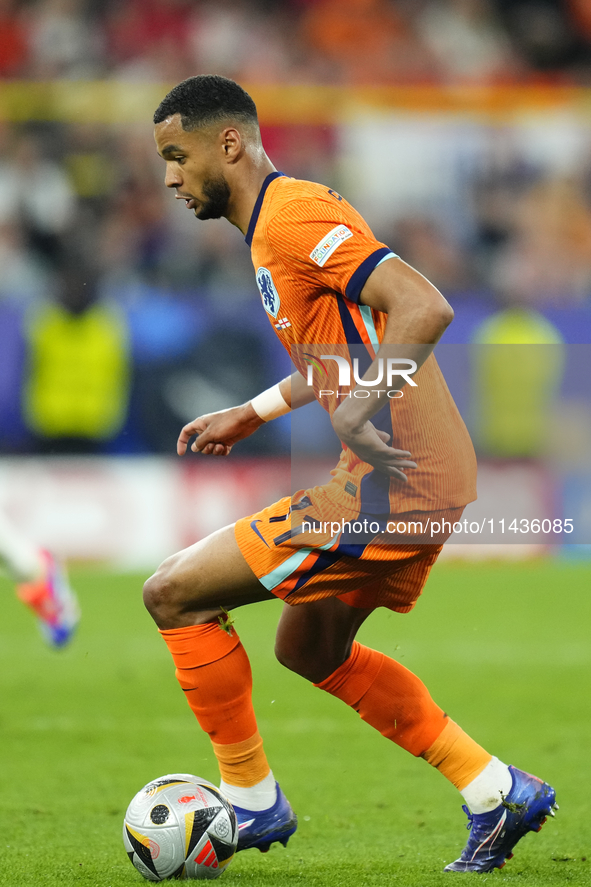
504, 649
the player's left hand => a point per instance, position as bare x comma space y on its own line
218, 432
371, 445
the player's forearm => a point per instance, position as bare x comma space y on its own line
296, 391
420, 329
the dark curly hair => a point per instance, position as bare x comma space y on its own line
207, 99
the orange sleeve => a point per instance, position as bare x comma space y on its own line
329, 243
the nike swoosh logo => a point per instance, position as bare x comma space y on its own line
257, 531
245, 824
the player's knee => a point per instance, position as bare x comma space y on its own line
308, 661
160, 594
287, 656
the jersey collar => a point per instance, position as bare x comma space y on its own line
257, 207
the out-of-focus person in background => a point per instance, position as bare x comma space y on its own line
36, 191
518, 365
41, 583
77, 382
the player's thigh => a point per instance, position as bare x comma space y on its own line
314, 639
192, 585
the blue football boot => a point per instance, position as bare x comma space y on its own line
493, 835
261, 828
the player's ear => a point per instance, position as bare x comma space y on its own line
232, 144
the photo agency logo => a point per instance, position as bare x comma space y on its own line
388, 369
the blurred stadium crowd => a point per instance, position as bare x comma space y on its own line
117, 308
339, 41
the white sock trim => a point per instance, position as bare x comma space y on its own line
487, 790
256, 797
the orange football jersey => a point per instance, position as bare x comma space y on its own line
312, 254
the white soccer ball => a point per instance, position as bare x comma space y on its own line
180, 826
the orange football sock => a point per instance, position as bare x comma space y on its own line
394, 701
213, 670
242, 763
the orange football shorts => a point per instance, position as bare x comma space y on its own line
308, 547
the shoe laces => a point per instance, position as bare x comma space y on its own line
470, 816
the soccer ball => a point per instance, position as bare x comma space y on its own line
180, 826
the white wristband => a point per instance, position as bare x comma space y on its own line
270, 404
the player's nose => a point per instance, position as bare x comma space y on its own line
172, 178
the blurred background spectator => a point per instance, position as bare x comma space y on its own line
77, 379
460, 128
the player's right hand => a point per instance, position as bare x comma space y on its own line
371, 445
218, 432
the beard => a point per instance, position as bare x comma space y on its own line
217, 194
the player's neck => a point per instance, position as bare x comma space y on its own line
246, 188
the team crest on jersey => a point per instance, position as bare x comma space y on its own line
323, 250
268, 291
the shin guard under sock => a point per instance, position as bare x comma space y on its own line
389, 697
394, 701
213, 670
